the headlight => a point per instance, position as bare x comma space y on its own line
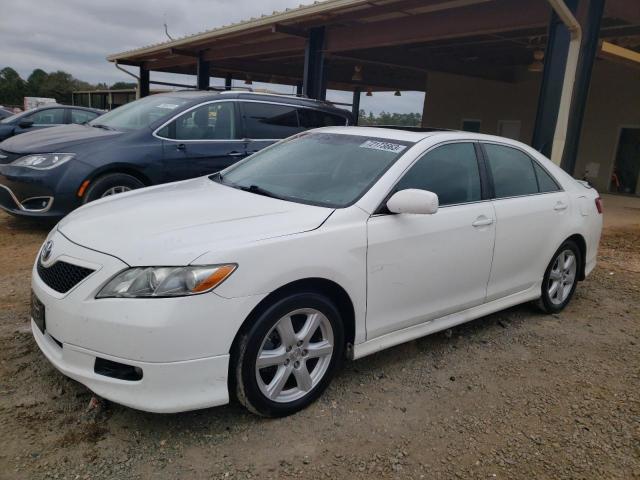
43, 161
165, 281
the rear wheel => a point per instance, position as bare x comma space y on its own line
289, 355
560, 278
111, 184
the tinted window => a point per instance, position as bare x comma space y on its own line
512, 171
545, 182
315, 119
213, 121
450, 171
49, 116
81, 116
264, 120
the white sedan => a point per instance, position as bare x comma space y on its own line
256, 282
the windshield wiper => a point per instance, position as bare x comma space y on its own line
100, 125
259, 191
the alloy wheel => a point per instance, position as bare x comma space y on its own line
294, 355
115, 190
562, 277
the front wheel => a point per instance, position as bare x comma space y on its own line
289, 355
111, 184
560, 278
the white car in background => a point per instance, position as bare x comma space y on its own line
336, 242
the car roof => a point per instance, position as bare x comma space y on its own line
416, 134
202, 95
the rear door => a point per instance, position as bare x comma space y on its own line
530, 210
203, 140
265, 123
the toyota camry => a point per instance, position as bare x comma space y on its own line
257, 281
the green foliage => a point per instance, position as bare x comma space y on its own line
12, 87
124, 86
384, 118
58, 85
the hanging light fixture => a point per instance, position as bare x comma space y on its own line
397, 94
369, 92
248, 80
537, 65
357, 73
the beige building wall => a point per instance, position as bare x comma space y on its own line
614, 102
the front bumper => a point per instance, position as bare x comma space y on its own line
181, 344
36, 193
164, 387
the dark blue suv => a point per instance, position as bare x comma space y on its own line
157, 139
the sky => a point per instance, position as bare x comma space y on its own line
77, 35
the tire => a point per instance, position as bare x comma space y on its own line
111, 182
257, 388
559, 284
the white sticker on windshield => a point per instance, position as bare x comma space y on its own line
169, 106
385, 146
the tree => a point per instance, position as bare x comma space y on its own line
35, 81
124, 86
12, 87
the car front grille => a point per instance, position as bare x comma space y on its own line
62, 276
8, 157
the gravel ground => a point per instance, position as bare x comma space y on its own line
513, 395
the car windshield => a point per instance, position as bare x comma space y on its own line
138, 114
318, 168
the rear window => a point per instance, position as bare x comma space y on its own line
269, 121
310, 118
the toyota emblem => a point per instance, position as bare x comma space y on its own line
46, 251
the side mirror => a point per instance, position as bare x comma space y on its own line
25, 123
421, 202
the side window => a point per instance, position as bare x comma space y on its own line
512, 171
82, 116
310, 118
48, 116
213, 121
266, 121
545, 181
451, 171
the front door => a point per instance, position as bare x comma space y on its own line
202, 141
422, 267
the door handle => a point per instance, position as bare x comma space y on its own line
560, 206
235, 154
181, 146
482, 222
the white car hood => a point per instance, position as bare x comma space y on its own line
174, 224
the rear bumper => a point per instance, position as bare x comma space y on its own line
164, 387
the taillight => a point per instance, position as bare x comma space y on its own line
599, 205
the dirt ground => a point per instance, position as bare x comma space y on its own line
513, 395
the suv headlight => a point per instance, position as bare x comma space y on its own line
43, 161
143, 282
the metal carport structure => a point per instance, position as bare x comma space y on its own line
394, 44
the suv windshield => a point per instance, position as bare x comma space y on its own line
138, 114
327, 169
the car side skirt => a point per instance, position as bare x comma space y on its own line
432, 326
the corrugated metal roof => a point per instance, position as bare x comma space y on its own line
288, 14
